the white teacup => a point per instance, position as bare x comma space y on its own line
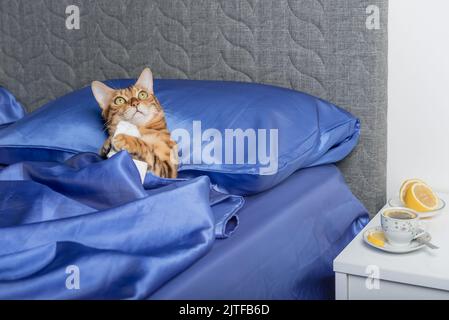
400, 225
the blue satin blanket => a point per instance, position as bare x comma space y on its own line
94, 217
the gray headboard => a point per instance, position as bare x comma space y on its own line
322, 47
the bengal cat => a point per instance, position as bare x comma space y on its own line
139, 106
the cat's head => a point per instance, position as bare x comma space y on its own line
136, 104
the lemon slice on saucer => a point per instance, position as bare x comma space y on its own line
406, 186
421, 198
377, 238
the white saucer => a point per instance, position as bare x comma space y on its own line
396, 202
413, 246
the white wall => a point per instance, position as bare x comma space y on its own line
418, 111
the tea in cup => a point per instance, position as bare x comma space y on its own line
400, 225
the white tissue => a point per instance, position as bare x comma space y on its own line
131, 130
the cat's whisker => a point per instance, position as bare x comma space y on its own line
107, 123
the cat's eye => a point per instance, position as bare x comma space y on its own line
119, 100
143, 95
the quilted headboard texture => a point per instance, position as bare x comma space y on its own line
322, 47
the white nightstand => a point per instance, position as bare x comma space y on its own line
423, 274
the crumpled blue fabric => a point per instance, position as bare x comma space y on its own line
224, 206
125, 240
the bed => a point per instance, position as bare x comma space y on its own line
320, 47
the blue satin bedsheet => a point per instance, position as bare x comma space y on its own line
285, 245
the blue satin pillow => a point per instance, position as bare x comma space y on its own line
246, 137
10, 109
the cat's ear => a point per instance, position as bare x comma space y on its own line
102, 93
146, 80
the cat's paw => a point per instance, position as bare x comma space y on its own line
122, 142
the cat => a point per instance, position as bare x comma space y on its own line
139, 106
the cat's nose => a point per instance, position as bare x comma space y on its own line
134, 102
